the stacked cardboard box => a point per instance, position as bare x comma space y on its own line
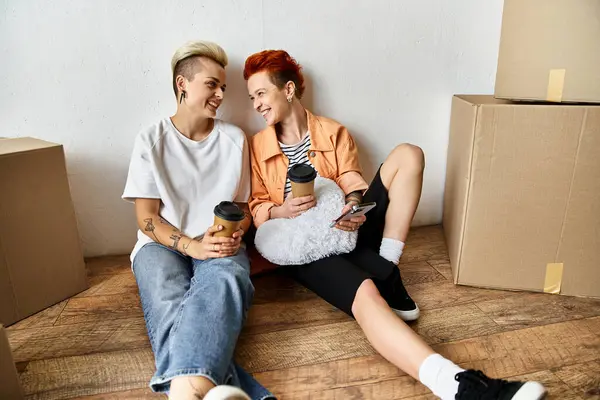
522, 196
550, 51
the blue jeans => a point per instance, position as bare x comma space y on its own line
194, 312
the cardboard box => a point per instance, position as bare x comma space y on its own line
550, 51
522, 198
10, 388
41, 261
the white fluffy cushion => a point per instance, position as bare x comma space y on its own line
307, 237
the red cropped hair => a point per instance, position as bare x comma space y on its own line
280, 66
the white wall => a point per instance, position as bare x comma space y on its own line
91, 74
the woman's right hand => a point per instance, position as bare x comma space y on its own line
211, 246
292, 207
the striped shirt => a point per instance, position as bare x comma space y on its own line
296, 154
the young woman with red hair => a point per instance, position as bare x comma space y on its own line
365, 283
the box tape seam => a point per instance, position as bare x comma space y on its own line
553, 278
556, 84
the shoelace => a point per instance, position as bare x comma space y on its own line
475, 385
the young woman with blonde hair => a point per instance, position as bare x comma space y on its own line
194, 286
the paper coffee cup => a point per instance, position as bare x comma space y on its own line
230, 216
302, 179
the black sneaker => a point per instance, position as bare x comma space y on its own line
400, 301
475, 385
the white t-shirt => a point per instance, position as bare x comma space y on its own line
190, 178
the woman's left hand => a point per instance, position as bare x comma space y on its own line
228, 250
354, 223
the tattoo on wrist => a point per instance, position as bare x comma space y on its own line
176, 238
185, 247
354, 196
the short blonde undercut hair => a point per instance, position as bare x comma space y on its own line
184, 60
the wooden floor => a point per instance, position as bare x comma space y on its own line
95, 344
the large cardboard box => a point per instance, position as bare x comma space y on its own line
550, 51
41, 262
522, 198
10, 388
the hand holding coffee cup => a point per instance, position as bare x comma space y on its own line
302, 179
224, 237
211, 246
292, 207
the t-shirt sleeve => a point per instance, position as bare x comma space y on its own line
140, 178
243, 193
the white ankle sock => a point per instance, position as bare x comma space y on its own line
391, 249
437, 373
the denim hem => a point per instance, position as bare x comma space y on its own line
161, 384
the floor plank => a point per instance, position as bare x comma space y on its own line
111, 284
443, 267
277, 288
424, 244
437, 295
454, 323
532, 309
91, 310
108, 265
335, 374
135, 394
393, 389
68, 377
419, 272
583, 379
275, 317
78, 339
304, 346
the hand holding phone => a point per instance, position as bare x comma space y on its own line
356, 211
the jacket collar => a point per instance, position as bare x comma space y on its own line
319, 141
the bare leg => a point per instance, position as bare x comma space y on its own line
402, 175
388, 334
189, 387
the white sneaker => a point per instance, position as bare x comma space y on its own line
225, 392
408, 315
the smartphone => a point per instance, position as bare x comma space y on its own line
355, 211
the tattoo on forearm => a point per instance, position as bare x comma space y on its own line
151, 228
149, 225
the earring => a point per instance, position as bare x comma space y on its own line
183, 95
289, 99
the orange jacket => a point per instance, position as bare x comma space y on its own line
332, 152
